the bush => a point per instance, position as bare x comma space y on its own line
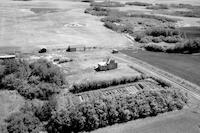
94, 85
45, 111
146, 39
157, 40
10, 82
154, 48
138, 3
42, 91
106, 111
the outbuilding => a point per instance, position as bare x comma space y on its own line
74, 48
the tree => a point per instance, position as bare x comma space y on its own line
10, 82
23, 123
60, 122
47, 72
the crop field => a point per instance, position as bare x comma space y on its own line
185, 66
178, 121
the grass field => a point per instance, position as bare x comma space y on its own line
185, 66
52, 24
172, 122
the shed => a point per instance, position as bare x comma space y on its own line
74, 48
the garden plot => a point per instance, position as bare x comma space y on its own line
111, 91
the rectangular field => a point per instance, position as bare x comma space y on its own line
185, 66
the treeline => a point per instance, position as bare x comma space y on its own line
121, 28
98, 11
159, 34
194, 13
186, 47
94, 85
106, 111
160, 18
158, 7
136, 3
107, 4
89, 1
40, 79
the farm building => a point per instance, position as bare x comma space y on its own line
4, 57
108, 65
76, 48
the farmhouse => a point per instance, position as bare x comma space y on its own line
108, 65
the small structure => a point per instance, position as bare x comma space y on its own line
115, 51
108, 65
76, 48
4, 57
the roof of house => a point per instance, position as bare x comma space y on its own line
102, 63
7, 56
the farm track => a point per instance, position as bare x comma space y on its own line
178, 82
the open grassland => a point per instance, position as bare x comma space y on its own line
185, 66
34, 24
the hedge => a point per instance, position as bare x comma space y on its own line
138, 3
94, 85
